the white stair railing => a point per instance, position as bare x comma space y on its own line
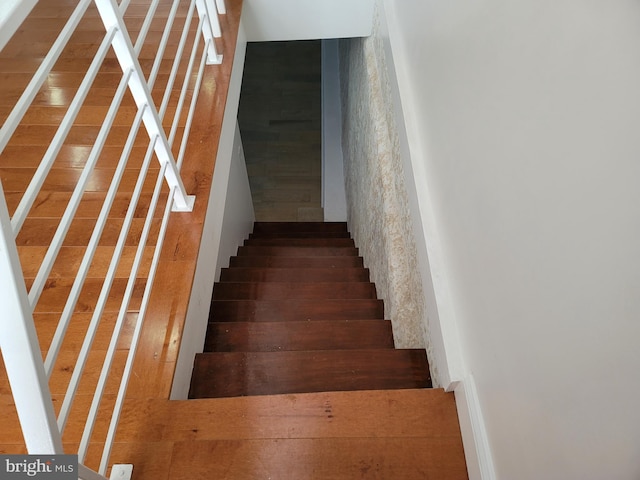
28, 374
21, 351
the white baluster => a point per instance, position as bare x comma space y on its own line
21, 350
125, 53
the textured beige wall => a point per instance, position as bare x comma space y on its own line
378, 211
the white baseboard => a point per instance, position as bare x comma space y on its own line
477, 449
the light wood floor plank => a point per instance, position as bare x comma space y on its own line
40, 231
392, 413
69, 259
52, 204
46, 324
336, 459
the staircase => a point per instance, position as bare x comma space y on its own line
296, 313
299, 379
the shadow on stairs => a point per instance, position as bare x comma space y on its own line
295, 313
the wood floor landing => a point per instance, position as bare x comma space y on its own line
394, 434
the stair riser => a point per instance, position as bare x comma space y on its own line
306, 227
298, 336
296, 262
298, 251
239, 374
300, 242
300, 235
286, 290
294, 310
240, 274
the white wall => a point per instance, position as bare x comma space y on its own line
334, 203
229, 220
12, 14
272, 20
522, 123
239, 216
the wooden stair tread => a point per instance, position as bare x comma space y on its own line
296, 262
295, 310
322, 458
267, 373
298, 290
284, 336
401, 434
275, 274
377, 413
280, 251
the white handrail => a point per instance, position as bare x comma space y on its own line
192, 108
183, 91
125, 53
208, 31
26, 371
163, 44
176, 62
20, 349
212, 11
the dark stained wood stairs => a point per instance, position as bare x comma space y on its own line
296, 313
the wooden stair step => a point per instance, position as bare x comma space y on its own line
267, 251
287, 290
294, 310
245, 274
409, 434
287, 336
286, 227
405, 413
300, 242
296, 262
268, 373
